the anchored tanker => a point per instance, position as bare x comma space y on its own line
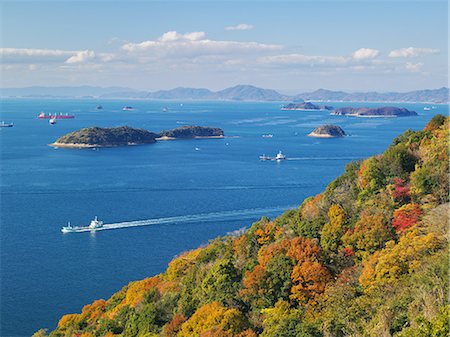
42, 115
94, 225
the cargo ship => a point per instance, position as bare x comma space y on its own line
42, 115
93, 226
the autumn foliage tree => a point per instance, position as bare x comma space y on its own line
333, 230
406, 216
400, 190
213, 315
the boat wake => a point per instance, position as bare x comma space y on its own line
323, 158
203, 217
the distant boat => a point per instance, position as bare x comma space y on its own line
267, 136
280, 156
127, 108
42, 115
99, 107
6, 125
427, 108
93, 226
52, 120
165, 109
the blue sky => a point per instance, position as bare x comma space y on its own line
290, 46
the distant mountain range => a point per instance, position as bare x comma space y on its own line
429, 95
236, 93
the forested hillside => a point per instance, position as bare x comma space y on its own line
367, 257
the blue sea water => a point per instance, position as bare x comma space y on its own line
45, 274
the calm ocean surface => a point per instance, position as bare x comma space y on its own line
45, 274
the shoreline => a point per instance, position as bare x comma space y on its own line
92, 146
164, 138
284, 109
319, 135
369, 116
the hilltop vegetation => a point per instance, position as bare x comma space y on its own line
366, 257
123, 135
192, 132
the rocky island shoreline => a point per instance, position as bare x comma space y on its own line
327, 131
387, 111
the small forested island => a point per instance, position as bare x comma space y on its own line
366, 257
387, 111
124, 135
191, 132
327, 131
106, 137
306, 106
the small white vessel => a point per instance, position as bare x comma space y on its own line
52, 120
427, 108
280, 156
6, 125
267, 136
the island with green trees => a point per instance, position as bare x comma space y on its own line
95, 137
186, 132
387, 111
366, 257
327, 131
105, 137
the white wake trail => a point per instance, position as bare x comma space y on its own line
218, 216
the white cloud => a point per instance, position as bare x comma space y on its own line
35, 56
300, 59
412, 52
241, 26
414, 67
174, 36
30, 55
365, 53
33, 52
81, 57
194, 44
